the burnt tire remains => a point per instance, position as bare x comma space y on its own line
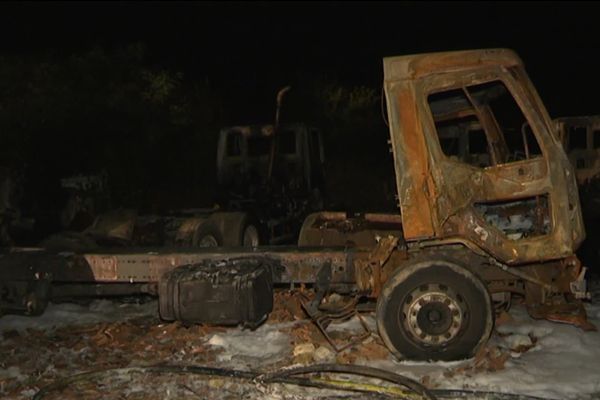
434, 310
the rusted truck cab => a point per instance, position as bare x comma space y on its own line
523, 206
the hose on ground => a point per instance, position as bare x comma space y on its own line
354, 370
288, 376
415, 389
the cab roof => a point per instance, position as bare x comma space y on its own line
419, 65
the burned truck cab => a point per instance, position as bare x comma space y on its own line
518, 203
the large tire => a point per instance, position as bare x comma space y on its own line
229, 229
240, 229
207, 235
306, 236
250, 235
434, 310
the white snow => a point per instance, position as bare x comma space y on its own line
266, 342
513, 341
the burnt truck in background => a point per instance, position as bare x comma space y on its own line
273, 174
580, 137
269, 179
472, 232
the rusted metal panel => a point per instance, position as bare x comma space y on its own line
421, 65
298, 266
339, 229
143, 267
368, 272
412, 178
103, 267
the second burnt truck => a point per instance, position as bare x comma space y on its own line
476, 227
263, 196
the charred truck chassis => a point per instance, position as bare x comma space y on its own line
468, 237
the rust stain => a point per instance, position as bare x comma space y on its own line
104, 267
416, 216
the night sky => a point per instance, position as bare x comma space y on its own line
256, 47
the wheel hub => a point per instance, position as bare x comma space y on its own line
433, 314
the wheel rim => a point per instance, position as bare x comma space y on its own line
433, 314
250, 238
208, 241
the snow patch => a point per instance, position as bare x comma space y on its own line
264, 343
516, 340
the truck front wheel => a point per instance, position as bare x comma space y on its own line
434, 310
